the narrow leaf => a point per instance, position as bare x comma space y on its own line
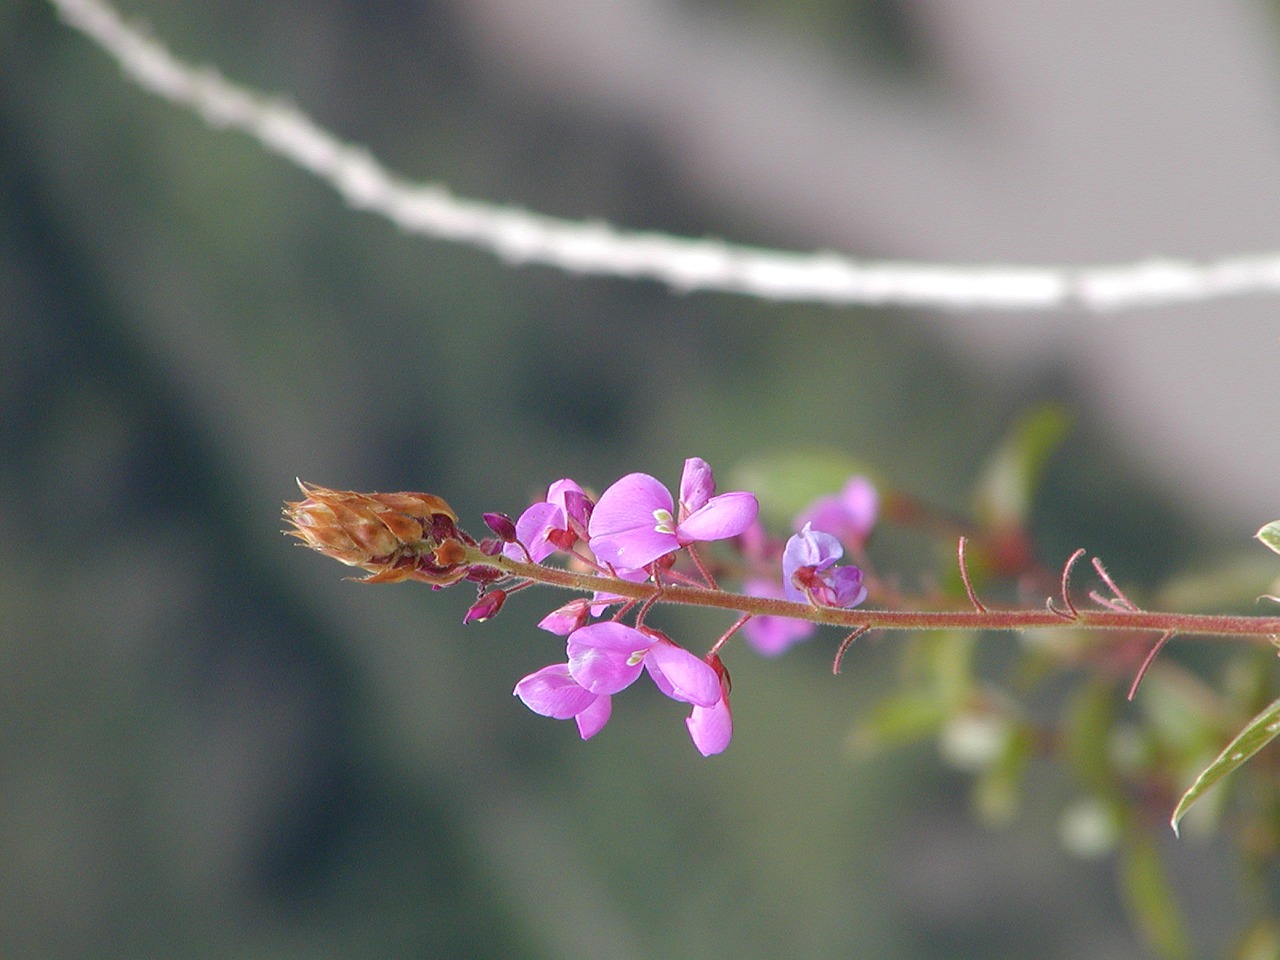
1256, 734
1270, 535
1087, 736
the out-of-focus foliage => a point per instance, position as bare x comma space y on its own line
1002, 725
1257, 733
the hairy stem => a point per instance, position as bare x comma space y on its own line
1186, 624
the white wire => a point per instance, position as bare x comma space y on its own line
521, 236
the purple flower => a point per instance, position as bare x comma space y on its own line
606, 658
849, 515
635, 521
809, 573
771, 636
551, 524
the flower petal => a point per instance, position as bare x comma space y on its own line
861, 502
577, 511
592, 720
846, 586
808, 548
711, 728
556, 493
552, 692
607, 657
727, 515
849, 515
697, 485
632, 524
532, 529
683, 676
825, 514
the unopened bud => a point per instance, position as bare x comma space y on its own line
487, 606
721, 671
395, 536
477, 573
502, 525
568, 618
577, 508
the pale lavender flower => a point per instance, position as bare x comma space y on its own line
809, 573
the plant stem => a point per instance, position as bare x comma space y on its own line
1186, 624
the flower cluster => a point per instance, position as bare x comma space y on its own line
635, 543
637, 546
632, 532
606, 658
635, 531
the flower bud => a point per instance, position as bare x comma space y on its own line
721, 671
568, 618
487, 606
502, 525
577, 510
395, 536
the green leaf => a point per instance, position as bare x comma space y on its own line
1270, 535
1256, 734
1012, 475
1232, 582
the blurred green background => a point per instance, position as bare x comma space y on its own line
216, 747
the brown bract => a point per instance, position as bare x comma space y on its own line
395, 536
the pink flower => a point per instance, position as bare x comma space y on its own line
606, 658
552, 692
711, 728
771, 636
849, 515
552, 524
635, 521
568, 618
809, 573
